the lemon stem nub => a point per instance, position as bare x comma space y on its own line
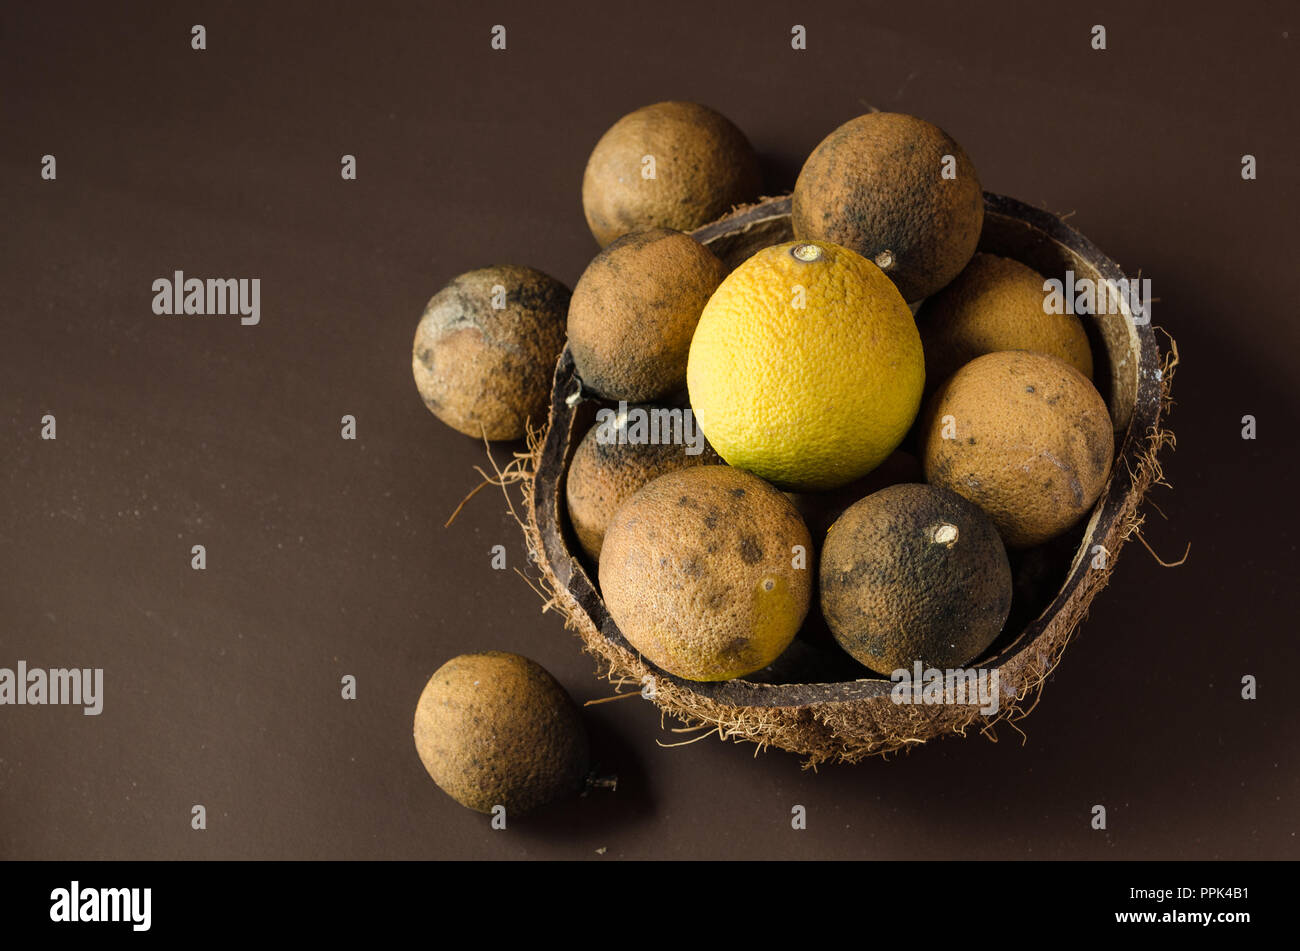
944, 534
806, 252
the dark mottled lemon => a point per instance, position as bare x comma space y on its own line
1024, 436
914, 573
608, 468
495, 729
669, 165
634, 312
995, 304
899, 191
707, 572
485, 350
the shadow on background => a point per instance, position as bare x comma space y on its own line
599, 811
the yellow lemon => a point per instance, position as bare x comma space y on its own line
806, 366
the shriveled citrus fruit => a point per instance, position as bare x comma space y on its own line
1023, 435
485, 350
706, 572
495, 729
611, 464
806, 366
914, 573
634, 310
995, 304
898, 190
668, 165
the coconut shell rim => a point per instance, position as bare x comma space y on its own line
846, 721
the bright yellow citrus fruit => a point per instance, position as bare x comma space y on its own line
806, 366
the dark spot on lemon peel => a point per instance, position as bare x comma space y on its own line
735, 646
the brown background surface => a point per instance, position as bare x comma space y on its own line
328, 557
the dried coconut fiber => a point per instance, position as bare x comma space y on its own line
851, 720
